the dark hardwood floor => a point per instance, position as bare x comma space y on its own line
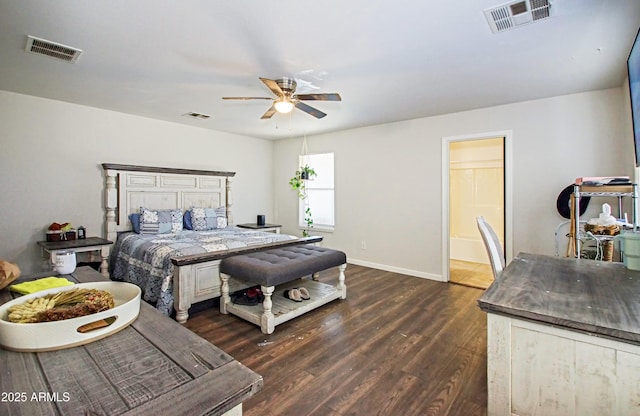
398, 345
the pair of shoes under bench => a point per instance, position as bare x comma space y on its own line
249, 297
297, 294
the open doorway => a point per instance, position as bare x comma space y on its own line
475, 184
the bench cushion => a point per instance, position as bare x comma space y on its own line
276, 266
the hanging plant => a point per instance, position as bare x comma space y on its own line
308, 219
307, 173
298, 183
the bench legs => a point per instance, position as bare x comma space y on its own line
267, 320
224, 293
342, 288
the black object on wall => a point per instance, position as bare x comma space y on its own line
563, 203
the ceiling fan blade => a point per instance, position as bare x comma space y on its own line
273, 86
320, 97
270, 112
310, 110
247, 98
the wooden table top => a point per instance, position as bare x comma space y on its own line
155, 365
599, 298
78, 243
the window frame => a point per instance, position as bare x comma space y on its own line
303, 204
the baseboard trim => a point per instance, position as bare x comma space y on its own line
393, 269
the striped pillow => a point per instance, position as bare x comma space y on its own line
160, 221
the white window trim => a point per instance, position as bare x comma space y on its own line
303, 203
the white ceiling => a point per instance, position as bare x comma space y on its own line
389, 60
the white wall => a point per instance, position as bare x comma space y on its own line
388, 177
50, 170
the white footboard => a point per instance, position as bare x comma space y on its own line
194, 283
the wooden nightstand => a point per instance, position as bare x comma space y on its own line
81, 245
267, 227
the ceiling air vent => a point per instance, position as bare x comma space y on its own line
517, 13
199, 116
52, 49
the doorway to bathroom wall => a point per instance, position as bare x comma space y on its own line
476, 184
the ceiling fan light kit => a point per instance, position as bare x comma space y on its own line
283, 106
286, 99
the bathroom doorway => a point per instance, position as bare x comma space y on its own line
476, 185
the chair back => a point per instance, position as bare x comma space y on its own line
493, 246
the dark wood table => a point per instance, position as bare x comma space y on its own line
153, 366
563, 338
264, 227
600, 298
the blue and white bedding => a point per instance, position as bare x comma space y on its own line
145, 259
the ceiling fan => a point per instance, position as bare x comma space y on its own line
286, 98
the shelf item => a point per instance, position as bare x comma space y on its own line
608, 191
603, 180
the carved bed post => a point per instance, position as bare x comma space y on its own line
111, 204
229, 198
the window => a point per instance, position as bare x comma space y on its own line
320, 192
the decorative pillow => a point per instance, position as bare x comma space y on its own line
186, 220
221, 214
203, 219
135, 222
160, 221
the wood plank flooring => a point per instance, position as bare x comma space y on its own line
467, 273
398, 345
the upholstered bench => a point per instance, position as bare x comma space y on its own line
282, 267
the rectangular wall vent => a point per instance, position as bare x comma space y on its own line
199, 116
52, 49
517, 13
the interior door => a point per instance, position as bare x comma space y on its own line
476, 188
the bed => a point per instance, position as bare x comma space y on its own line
178, 268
